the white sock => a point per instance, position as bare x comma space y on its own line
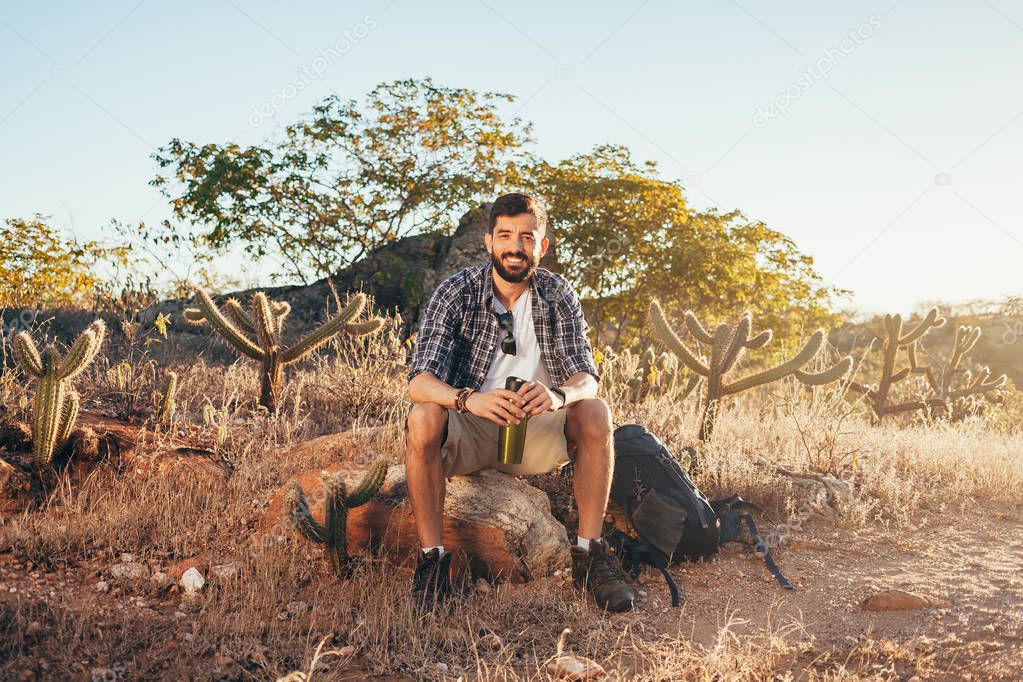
440, 548
582, 542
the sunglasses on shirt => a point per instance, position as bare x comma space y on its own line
504, 320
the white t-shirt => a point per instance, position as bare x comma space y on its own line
527, 363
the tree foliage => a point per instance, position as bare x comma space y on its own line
626, 236
347, 178
41, 268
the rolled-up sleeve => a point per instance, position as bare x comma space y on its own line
432, 350
571, 338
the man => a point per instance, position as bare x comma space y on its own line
483, 324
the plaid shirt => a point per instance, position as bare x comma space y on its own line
458, 331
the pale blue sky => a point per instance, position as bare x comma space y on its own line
900, 172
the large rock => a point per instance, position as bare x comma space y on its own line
495, 525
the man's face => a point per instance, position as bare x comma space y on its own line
516, 246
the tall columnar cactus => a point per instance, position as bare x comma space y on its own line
941, 382
56, 403
727, 345
333, 532
264, 322
168, 394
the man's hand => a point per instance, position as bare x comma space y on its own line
539, 398
499, 406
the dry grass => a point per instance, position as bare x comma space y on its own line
244, 627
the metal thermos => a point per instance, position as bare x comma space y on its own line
512, 438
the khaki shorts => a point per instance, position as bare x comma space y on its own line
471, 444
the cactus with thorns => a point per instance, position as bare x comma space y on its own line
264, 322
944, 381
656, 374
727, 344
941, 383
167, 405
333, 532
56, 402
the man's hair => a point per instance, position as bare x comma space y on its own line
517, 203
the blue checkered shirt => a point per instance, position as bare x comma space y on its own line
458, 330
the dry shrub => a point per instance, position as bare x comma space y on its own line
504, 633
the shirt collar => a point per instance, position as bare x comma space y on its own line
488, 286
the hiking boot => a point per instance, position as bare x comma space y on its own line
431, 584
601, 572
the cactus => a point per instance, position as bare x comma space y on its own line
656, 374
333, 532
943, 382
265, 321
56, 403
943, 395
167, 405
728, 343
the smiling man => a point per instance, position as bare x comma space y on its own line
467, 345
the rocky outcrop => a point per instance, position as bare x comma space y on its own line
400, 275
101, 441
495, 525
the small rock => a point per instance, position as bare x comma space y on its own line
161, 579
900, 600
15, 488
224, 571
192, 581
102, 675
102, 586
575, 668
491, 642
128, 571
297, 608
839, 491
346, 651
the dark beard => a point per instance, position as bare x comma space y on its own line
514, 278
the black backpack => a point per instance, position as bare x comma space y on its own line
670, 520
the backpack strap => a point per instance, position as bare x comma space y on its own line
759, 546
638, 552
672, 587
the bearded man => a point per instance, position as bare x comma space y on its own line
484, 323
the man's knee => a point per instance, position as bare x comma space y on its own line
425, 427
590, 419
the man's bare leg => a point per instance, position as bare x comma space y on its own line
424, 475
588, 424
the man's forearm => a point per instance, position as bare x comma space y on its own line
427, 388
579, 386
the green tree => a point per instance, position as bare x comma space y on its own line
41, 268
626, 236
347, 179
